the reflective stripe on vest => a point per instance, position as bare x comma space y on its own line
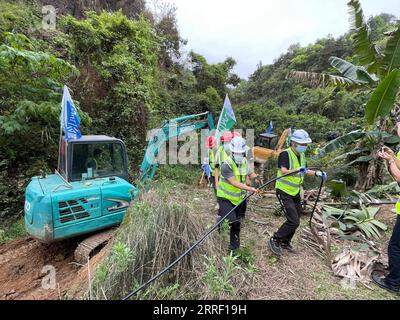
291, 184
228, 191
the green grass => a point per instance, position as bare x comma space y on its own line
14, 231
186, 174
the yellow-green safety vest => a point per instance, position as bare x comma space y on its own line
221, 156
291, 184
211, 159
228, 191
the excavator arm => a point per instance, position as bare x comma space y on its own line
282, 140
169, 129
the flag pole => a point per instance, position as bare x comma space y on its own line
59, 150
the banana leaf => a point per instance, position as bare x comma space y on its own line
383, 97
355, 219
332, 210
362, 219
340, 142
359, 159
351, 153
365, 230
320, 79
361, 36
369, 229
379, 224
366, 77
391, 139
391, 58
380, 190
370, 211
357, 74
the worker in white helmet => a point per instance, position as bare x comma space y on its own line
236, 174
288, 189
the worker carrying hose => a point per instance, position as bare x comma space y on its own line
288, 189
236, 175
391, 281
223, 152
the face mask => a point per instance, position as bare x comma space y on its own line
301, 149
238, 158
226, 147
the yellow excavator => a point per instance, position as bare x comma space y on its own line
263, 153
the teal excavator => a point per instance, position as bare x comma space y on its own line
91, 192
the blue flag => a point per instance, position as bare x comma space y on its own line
270, 127
69, 117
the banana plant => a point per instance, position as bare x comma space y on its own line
362, 219
360, 148
379, 72
380, 75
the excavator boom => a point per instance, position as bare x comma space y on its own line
282, 140
170, 129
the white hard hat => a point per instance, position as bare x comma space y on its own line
301, 136
238, 145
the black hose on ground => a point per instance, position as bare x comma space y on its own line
213, 228
316, 202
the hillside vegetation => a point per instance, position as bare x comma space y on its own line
127, 73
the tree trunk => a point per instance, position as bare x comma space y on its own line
369, 174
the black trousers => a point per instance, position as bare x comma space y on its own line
293, 209
212, 179
393, 277
234, 218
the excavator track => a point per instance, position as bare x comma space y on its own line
87, 246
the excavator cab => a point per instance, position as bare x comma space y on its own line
268, 148
93, 157
89, 191
267, 140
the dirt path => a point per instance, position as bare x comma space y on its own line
23, 265
27, 265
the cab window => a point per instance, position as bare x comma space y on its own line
96, 160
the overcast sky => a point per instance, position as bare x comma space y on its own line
260, 30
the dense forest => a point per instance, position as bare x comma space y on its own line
127, 73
